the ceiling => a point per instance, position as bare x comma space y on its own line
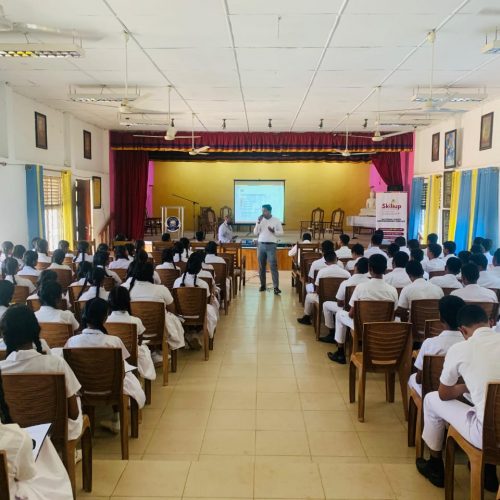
250, 60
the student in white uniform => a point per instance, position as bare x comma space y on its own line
398, 277
94, 334
487, 244
30, 262
357, 252
119, 303
344, 252
476, 362
326, 246
449, 249
58, 257
434, 263
9, 272
374, 248
331, 308
449, 280
64, 246
211, 257
96, 289
101, 259
83, 274
21, 333
417, 255
331, 270
486, 279
225, 231
167, 259
141, 258
42, 249
50, 294
401, 243
18, 254
374, 289
121, 259
472, 292
7, 249
6, 294
438, 346
179, 252
306, 238
82, 252
392, 250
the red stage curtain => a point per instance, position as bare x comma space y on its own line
388, 166
130, 191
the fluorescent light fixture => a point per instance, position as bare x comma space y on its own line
449, 97
101, 97
40, 50
491, 47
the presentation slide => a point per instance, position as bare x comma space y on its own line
250, 195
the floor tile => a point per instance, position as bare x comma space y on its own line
235, 420
281, 443
175, 441
335, 443
225, 442
286, 420
278, 401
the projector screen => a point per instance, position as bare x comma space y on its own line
250, 195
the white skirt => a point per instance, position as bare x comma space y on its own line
132, 387
211, 320
175, 331
145, 364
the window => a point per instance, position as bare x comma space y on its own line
423, 203
52, 197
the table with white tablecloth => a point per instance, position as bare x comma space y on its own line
360, 222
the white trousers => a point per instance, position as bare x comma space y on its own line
132, 387
438, 413
342, 322
309, 301
211, 320
412, 382
145, 364
330, 309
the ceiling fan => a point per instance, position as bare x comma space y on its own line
345, 152
203, 150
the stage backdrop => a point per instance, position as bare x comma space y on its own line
308, 185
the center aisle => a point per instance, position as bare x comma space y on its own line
267, 416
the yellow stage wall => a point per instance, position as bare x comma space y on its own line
308, 185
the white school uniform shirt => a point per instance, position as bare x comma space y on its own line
316, 266
446, 257
489, 257
350, 265
433, 265
264, 235
294, 250
3, 310
119, 264
43, 257
20, 281
419, 289
446, 281
214, 259
332, 271
343, 253
47, 314
182, 258
438, 346
125, 317
476, 360
225, 233
353, 280
374, 250
95, 338
54, 265
29, 271
88, 258
189, 281
398, 278
156, 279
475, 293
489, 279
166, 265
405, 250
112, 274
91, 293
148, 292
374, 289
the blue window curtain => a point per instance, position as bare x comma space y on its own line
417, 187
463, 215
486, 212
34, 199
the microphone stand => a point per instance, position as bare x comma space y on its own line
194, 209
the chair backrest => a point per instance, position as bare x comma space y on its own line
161, 245
317, 215
345, 260
198, 246
168, 276
372, 311
306, 260
42, 265
235, 249
348, 294
156, 256
38, 398
35, 304
431, 371
152, 315
108, 283
64, 278
100, 372
74, 292
337, 218
420, 311
128, 334
4, 477
181, 265
21, 293
56, 334
122, 273
490, 308
447, 291
220, 273
328, 288
386, 345
225, 210
432, 274
191, 304
307, 248
33, 279
433, 327
491, 424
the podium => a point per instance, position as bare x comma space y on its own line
167, 212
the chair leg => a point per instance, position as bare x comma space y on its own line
419, 442
390, 381
449, 469
352, 382
69, 463
404, 394
412, 422
124, 426
147, 390
86, 442
211, 344
477, 477
174, 360
134, 418
361, 395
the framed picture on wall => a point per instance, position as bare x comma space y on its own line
40, 130
486, 137
96, 192
435, 146
450, 149
447, 179
87, 145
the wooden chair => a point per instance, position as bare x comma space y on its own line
191, 306
40, 398
74, 292
21, 293
433, 327
122, 273
208, 223
305, 264
33, 279
433, 274
220, 280
229, 258
4, 477
447, 291
315, 225
336, 224
420, 311
302, 248
35, 304
108, 284
223, 212
432, 368
386, 349
327, 290
490, 453
161, 245
41, 266
100, 371
168, 277
181, 265
152, 315
240, 261
64, 278
348, 294
56, 334
490, 308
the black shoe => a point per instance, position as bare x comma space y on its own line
262, 289
490, 478
432, 469
337, 357
305, 320
329, 339
277, 291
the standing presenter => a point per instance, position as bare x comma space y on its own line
268, 228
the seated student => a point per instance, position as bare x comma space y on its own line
101, 259
199, 236
82, 252
401, 243
102, 247
6, 294
50, 294
141, 258
7, 249
187, 247
487, 279
131, 251
121, 259
34, 242
398, 277
83, 273
326, 246
417, 255
331, 270
437, 346
64, 246
119, 303
432, 239
191, 279
487, 244
374, 289
167, 259
211, 257
30, 262
331, 308
58, 257
165, 237
306, 238
392, 250
344, 252
42, 249
433, 262
43, 479
476, 362
478, 240
9, 272
472, 292
18, 254
374, 248
449, 280
357, 252
140, 246
94, 334
417, 289
25, 354
179, 252
45, 276
96, 280
449, 249
476, 248
464, 256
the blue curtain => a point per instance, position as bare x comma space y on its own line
417, 186
463, 215
34, 199
486, 213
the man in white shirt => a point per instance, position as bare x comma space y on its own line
398, 277
376, 241
401, 243
449, 249
434, 263
331, 270
487, 279
476, 362
452, 270
326, 246
472, 292
344, 252
357, 251
374, 289
225, 232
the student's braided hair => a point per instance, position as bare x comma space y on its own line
101, 259
167, 255
45, 276
193, 266
95, 314
18, 327
58, 256
30, 258
83, 249
119, 299
10, 266
144, 271
50, 294
4, 409
6, 292
96, 278
178, 249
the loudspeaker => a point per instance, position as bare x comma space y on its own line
395, 187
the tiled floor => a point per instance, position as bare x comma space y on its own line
267, 416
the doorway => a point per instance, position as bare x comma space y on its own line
83, 210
